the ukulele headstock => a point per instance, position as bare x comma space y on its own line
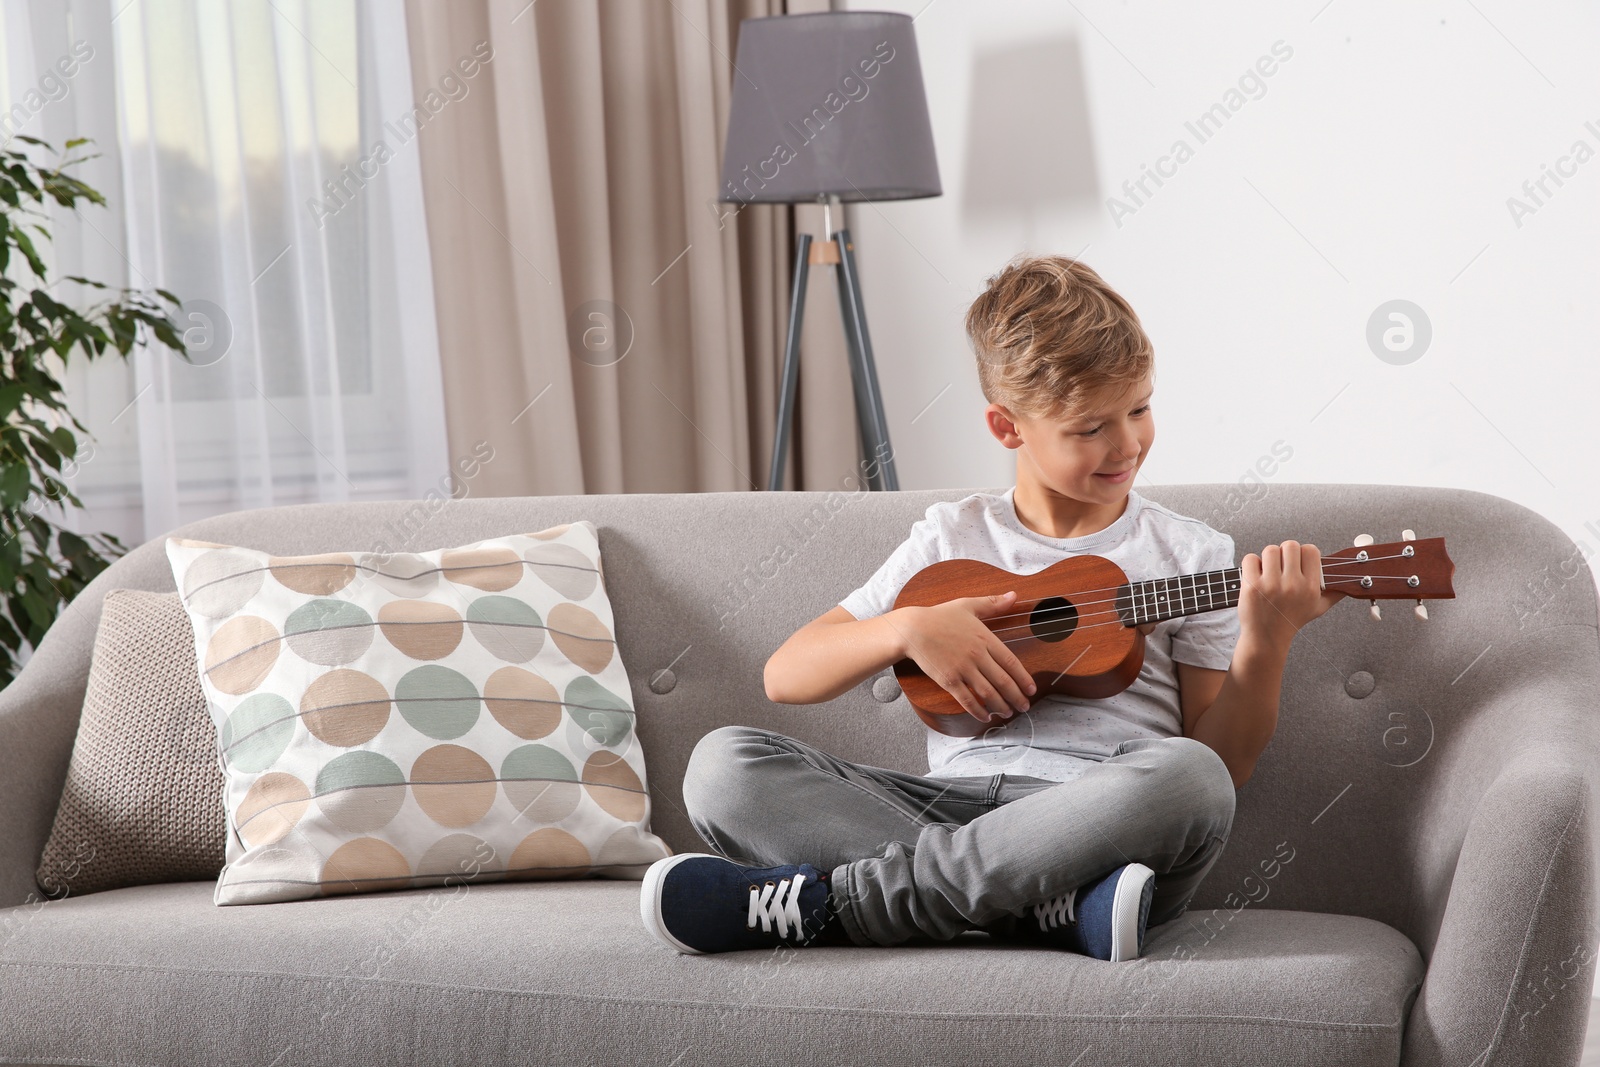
1407, 569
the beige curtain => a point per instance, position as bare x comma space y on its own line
570, 186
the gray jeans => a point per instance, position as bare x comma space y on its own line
929, 858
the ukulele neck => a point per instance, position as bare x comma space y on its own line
1160, 599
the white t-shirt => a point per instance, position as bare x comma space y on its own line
1058, 735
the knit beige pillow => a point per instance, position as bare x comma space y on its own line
143, 796
398, 720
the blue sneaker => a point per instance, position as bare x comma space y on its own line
1104, 918
697, 903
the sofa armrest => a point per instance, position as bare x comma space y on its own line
1512, 967
39, 713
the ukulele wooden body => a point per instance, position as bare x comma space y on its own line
1075, 645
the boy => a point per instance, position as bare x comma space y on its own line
1075, 825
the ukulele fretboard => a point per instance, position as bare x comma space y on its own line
1159, 599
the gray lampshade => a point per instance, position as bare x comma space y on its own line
828, 104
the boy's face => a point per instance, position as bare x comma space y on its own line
1074, 454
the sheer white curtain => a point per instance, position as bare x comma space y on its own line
243, 163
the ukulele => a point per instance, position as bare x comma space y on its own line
1073, 624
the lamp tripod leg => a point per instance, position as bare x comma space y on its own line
858, 383
874, 425
791, 361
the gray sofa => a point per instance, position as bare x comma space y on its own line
1410, 878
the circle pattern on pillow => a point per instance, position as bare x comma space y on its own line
361, 792
522, 702
541, 783
349, 690
550, 853
438, 702
344, 708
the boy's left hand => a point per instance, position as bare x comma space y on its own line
1282, 591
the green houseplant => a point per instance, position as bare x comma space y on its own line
42, 565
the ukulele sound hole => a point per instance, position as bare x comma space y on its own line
1053, 619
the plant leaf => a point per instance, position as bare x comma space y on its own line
15, 483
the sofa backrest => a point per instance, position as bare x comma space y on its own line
706, 586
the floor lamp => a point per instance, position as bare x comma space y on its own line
829, 107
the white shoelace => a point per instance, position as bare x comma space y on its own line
1056, 911
778, 903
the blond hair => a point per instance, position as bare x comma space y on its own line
1051, 338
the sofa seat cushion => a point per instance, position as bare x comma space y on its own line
518, 973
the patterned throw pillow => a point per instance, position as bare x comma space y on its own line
389, 721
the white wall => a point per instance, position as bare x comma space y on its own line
1375, 163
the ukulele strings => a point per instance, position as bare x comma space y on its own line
1118, 622
1091, 603
1113, 588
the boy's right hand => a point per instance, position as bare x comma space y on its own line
964, 657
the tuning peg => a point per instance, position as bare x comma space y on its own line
1421, 609
1362, 541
